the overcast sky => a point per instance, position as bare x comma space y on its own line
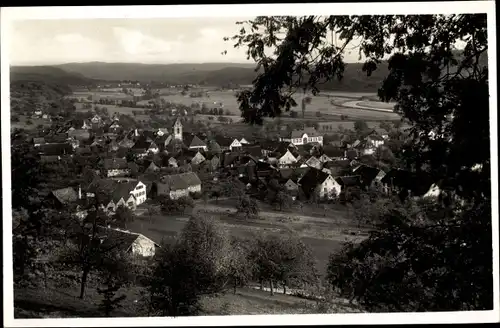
159, 40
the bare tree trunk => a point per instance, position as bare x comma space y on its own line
261, 284
272, 287
284, 288
85, 274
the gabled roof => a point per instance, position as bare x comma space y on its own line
349, 181
120, 239
192, 140
178, 181
367, 173
115, 163
65, 195
310, 131
253, 150
56, 149
332, 151
312, 179
223, 141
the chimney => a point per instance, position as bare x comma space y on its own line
79, 192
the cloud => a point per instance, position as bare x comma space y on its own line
136, 43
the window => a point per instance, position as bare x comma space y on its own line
139, 187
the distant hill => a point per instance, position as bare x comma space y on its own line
48, 74
214, 74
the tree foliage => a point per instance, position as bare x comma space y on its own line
247, 206
195, 265
442, 92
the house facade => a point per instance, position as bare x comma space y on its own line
287, 159
303, 137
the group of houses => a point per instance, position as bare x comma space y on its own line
171, 161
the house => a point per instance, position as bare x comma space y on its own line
126, 142
115, 167
253, 150
333, 153
129, 193
63, 197
214, 161
316, 183
79, 134
192, 141
128, 242
214, 147
96, 119
338, 167
226, 143
314, 162
172, 162
305, 136
197, 159
152, 167
351, 181
56, 149
292, 188
367, 174
50, 159
114, 127
178, 185
243, 141
38, 142
143, 147
162, 132
287, 159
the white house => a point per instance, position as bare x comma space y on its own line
302, 137
235, 144
96, 119
320, 184
243, 141
129, 242
287, 159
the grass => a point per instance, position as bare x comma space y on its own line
22, 124
321, 103
56, 302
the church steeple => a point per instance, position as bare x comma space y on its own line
178, 129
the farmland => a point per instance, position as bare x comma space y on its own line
324, 107
323, 234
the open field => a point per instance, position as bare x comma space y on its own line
367, 110
22, 124
324, 234
56, 302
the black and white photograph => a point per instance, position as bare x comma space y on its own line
217, 164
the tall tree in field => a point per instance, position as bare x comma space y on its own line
196, 265
442, 92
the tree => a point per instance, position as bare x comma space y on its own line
240, 266
196, 265
442, 92
360, 126
123, 215
179, 205
283, 199
247, 206
282, 259
293, 114
386, 126
305, 101
115, 276
152, 211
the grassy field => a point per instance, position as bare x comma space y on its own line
22, 124
324, 231
321, 103
55, 302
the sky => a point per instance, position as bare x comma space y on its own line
134, 40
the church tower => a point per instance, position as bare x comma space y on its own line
178, 130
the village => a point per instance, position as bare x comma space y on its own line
140, 165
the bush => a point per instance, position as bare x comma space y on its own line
14, 118
29, 122
196, 195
